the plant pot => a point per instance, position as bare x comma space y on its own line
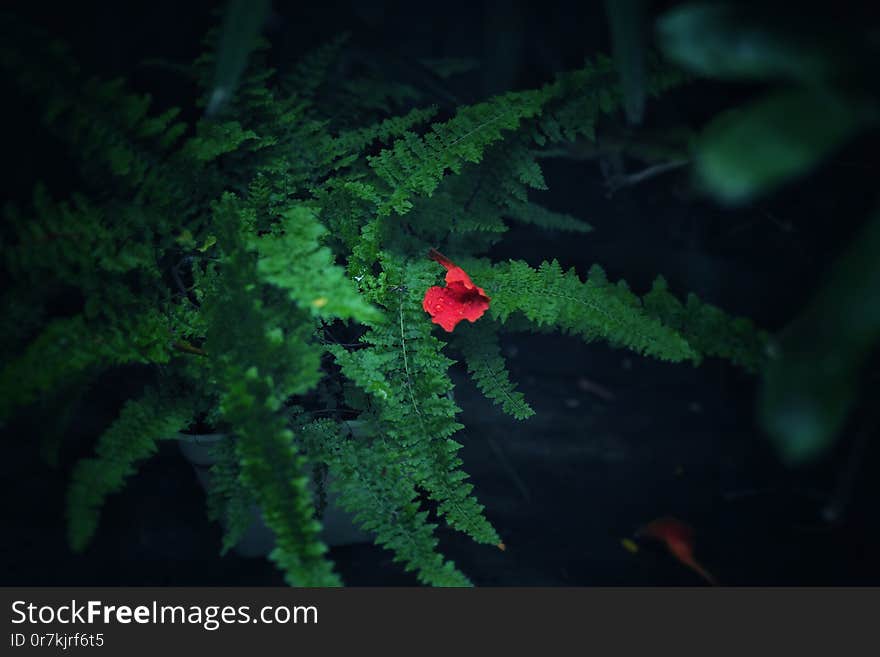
338, 527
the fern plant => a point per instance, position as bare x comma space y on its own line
274, 253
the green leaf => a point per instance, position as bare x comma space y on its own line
728, 41
810, 385
748, 151
627, 22
238, 38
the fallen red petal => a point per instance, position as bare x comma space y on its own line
679, 540
669, 529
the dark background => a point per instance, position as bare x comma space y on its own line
565, 487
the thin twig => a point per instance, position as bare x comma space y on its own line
511, 472
175, 273
616, 183
840, 499
188, 348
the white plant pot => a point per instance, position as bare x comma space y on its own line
258, 541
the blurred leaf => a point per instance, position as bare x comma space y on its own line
728, 41
747, 151
811, 382
241, 27
627, 21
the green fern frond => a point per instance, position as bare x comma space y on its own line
482, 354
585, 96
245, 333
456, 208
109, 129
261, 355
415, 165
346, 207
72, 240
708, 329
374, 486
385, 131
590, 92
510, 170
536, 215
592, 308
213, 139
69, 346
416, 413
365, 367
131, 438
366, 252
296, 262
311, 71
477, 223
275, 473
229, 501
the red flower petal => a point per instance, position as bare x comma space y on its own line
459, 300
